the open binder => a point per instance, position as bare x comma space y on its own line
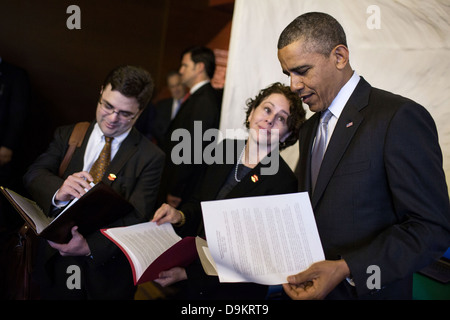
99, 207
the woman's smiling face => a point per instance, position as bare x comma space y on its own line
268, 121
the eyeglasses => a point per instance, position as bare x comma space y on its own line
109, 110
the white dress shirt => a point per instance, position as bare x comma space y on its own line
198, 86
339, 103
94, 146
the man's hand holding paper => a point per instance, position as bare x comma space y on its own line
317, 281
262, 239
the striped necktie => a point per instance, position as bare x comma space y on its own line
320, 146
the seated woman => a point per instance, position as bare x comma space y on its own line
273, 118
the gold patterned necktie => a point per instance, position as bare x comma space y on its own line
99, 167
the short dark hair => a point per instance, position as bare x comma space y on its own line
205, 55
132, 82
172, 73
297, 112
319, 31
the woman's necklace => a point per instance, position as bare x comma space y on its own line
237, 165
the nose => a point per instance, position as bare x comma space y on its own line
114, 115
270, 120
297, 83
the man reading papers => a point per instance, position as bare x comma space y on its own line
261, 239
134, 171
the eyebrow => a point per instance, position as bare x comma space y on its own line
298, 69
288, 114
109, 104
284, 111
117, 109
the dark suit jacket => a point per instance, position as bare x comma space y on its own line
381, 197
138, 165
204, 106
146, 122
163, 114
201, 286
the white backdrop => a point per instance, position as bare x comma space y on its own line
407, 53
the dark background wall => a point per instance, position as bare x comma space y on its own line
66, 67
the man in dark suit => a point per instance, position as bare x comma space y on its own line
200, 112
380, 198
167, 109
134, 172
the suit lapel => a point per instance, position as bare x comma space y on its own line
222, 171
253, 179
306, 138
179, 115
345, 129
187, 105
127, 149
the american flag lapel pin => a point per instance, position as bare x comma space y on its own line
348, 125
112, 177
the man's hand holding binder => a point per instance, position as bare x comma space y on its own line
77, 246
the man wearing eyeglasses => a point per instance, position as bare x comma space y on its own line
136, 165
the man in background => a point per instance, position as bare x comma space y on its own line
167, 109
202, 106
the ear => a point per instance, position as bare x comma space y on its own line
200, 66
138, 114
341, 55
249, 118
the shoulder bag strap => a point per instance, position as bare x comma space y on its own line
75, 141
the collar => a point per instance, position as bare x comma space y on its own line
98, 133
198, 85
344, 94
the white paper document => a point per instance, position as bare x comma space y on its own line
143, 242
262, 239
